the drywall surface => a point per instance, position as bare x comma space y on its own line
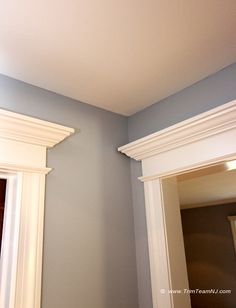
210, 254
211, 92
204, 95
89, 251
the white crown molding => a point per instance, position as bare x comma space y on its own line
26, 129
207, 124
198, 142
23, 157
6, 167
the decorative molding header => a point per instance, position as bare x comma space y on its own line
5, 167
23, 157
22, 128
207, 124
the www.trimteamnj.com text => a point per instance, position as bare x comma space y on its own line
195, 291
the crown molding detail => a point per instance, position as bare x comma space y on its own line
6, 167
23, 163
201, 141
207, 124
26, 129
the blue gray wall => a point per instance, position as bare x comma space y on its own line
208, 93
204, 95
89, 253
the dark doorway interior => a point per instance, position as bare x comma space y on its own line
210, 255
3, 184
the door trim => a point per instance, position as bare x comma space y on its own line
201, 141
23, 150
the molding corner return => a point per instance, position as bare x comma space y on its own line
207, 124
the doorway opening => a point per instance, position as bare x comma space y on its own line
3, 185
207, 199
204, 140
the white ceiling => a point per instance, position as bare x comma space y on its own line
119, 55
209, 189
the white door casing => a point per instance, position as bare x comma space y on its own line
23, 148
207, 139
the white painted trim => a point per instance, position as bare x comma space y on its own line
209, 123
12, 167
22, 128
156, 224
201, 141
23, 144
189, 168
